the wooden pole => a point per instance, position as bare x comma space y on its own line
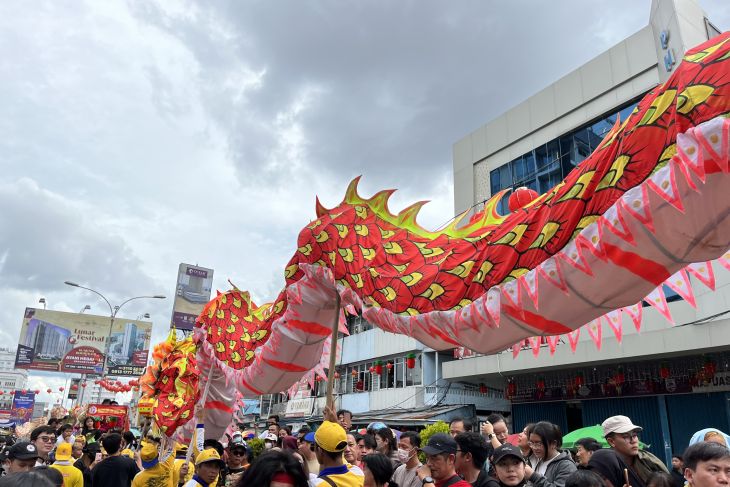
333, 353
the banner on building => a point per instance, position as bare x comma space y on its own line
22, 409
107, 416
192, 293
75, 342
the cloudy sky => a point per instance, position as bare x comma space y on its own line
138, 135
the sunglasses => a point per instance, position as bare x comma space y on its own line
238, 453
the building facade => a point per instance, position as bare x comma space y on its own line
672, 381
11, 379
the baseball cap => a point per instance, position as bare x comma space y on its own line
23, 450
309, 437
619, 424
331, 437
506, 450
149, 455
440, 443
271, 437
237, 440
63, 452
209, 455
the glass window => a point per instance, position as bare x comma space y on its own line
518, 169
542, 156
413, 376
494, 181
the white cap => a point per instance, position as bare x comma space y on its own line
619, 424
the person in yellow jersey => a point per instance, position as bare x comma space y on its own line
330, 441
208, 465
156, 473
72, 476
184, 469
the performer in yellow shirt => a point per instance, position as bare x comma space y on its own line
72, 476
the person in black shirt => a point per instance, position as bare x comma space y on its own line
88, 461
115, 470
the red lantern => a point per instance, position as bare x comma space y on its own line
579, 379
664, 371
540, 384
389, 366
23, 391
49, 390
37, 391
619, 378
337, 375
61, 389
520, 198
410, 360
511, 389
483, 389
2, 392
371, 369
353, 373
378, 368
710, 368
83, 384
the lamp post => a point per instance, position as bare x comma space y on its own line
85, 308
43, 302
113, 310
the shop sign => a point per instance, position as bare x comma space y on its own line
299, 407
719, 382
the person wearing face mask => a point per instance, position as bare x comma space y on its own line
270, 441
406, 475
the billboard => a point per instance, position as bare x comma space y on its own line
22, 409
74, 342
192, 293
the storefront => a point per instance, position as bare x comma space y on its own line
670, 399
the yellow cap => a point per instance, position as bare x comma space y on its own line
128, 453
209, 455
63, 452
331, 437
148, 455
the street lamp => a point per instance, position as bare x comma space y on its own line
113, 310
43, 302
85, 308
145, 316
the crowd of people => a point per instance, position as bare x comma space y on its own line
334, 455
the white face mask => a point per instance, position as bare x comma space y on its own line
403, 455
268, 445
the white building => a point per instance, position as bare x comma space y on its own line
11, 379
667, 371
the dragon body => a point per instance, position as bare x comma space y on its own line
650, 201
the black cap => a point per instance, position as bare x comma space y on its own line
440, 443
22, 450
506, 450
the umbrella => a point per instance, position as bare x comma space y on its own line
595, 432
513, 439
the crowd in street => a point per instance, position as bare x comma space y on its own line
334, 455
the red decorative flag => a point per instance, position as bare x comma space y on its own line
680, 284
529, 282
613, 318
664, 183
596, 332
553, 343
636, 202
703, 271
572, 255
657, 299
573, 339
550, 270
634, 311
